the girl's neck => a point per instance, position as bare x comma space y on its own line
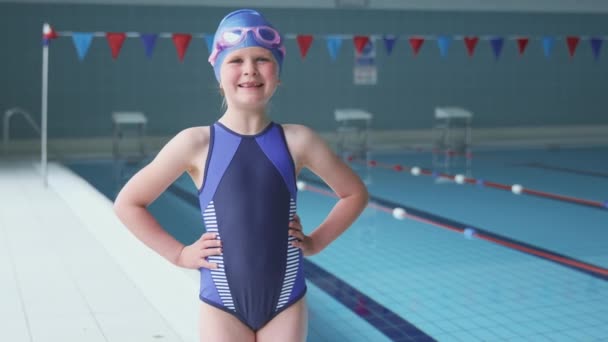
246, 123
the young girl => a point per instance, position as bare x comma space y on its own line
245, 167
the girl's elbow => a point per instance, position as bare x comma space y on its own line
365, 195
125, 204
121, 205
118, 207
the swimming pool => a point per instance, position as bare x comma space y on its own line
535, 268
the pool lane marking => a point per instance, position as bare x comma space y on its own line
458, 227
563, 169
480, 182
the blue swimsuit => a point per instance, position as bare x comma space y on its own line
249, 197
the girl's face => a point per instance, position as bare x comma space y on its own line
249, 78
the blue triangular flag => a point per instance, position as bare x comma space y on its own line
548, 45
497, 44
389, 43
82, 42
149, 40
596, 46
333, 46
209, 41
444, 44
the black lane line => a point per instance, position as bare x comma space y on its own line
564, 169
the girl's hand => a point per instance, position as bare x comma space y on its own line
303, 242
195, 255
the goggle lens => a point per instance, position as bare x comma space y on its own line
267, 34
232, 37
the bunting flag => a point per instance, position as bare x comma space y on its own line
521, 45
209, 42
48, 34
416, 44
471, 42
596, 46
82, 42
149, 40
572, 44
444, 43
115, 41
333, 46
548, 43
389, 43
181, 42
304, 43
360, 42
497, 44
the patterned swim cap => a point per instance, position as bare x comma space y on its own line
245, 28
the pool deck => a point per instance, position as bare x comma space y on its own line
70, 271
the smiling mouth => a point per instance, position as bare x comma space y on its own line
251, 85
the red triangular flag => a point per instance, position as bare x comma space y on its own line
572, 43
521, 45
416, 44
470, 42
115, 40
304, 43
181, 42
360, 42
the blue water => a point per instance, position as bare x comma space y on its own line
447, 286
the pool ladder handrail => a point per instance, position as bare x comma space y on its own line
7, 122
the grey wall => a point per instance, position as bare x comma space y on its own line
513, 91
545, 6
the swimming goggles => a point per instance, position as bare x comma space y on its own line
264, 35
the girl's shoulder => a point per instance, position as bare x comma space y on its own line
301, 139
296, 129
191, 145
299, 133
194, 136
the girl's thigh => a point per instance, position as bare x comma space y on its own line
220, 326
291, 325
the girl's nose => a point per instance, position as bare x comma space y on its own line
250, 68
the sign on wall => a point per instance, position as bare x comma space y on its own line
365, 70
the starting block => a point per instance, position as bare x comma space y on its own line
123, 121
452, 139
353, 131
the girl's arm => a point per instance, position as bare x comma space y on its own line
149, 183
311, 151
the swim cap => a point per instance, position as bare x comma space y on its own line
244, 28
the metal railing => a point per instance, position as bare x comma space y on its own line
7, 124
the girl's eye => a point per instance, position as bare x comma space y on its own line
263, 59
236, 60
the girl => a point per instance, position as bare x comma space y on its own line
245, 167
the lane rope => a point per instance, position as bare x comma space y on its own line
516, 189
401, 212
